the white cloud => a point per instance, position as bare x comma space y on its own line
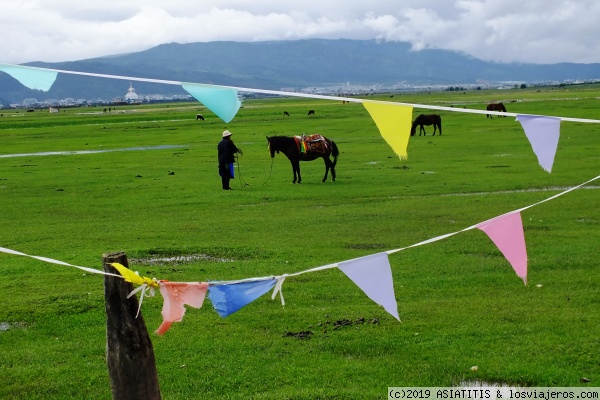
541, 31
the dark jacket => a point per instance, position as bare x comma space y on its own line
226, 150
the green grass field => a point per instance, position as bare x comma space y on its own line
460, 302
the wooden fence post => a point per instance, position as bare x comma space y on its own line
129, 352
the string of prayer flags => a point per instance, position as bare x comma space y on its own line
175, 295
224, 102
393, 122
230, 297
506, 231
373, 275
543, 134
392, 119
33, 78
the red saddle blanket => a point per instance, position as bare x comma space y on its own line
314, 143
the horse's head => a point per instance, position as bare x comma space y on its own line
271, 150
413, 128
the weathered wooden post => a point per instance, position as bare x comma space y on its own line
129, 352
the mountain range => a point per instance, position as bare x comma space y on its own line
294, 64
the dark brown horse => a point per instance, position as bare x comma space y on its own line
426, 119
305, 148
495, 107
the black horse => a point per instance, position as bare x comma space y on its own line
305, 148
495, 107
426, 119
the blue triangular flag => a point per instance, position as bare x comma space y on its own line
229, 298
33, 78
222, 101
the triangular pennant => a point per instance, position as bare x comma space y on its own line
373, 275
175, 295
33, 78
229, 298
393, 122
224, 102
507, 234
543, 134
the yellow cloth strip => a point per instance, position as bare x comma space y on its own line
394, 123
132, 277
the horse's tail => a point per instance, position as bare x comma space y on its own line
334, 152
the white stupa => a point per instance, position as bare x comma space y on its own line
131, 95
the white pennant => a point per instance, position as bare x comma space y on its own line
373, 275
543, 134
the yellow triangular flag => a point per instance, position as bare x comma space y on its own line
394, 123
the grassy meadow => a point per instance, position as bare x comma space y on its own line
460, 302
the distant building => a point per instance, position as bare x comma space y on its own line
131, 96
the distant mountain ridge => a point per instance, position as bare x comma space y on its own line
286, 64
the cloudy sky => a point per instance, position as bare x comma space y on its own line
536, 31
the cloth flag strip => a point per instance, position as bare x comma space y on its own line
507, 234
373, 275
33, 78
543, 134
222, 101
393, 123
175, 295
229, 298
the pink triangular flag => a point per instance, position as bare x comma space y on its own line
543, 134
507, 234
175, 295
373, 275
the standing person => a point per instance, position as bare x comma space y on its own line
226, 150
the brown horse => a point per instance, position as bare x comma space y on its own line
426, 119
495, 107
305, 148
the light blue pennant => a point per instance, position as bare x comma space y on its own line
223, 102
33, 78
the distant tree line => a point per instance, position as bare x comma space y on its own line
455, 89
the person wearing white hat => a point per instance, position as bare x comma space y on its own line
226, 150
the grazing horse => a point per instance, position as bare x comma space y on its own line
426, 119
495, 107
199, 116
305, 148
311, 112
286, 114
